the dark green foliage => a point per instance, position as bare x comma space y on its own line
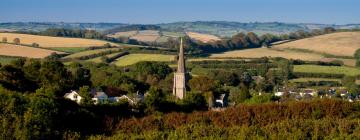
13, 78
194, 101
86, 100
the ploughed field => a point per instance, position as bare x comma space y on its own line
23, 51
54, 42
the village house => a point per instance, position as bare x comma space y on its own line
102, 97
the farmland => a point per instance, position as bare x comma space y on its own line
98, 59
135, 58
22, 51
327, 69
267, 52
202, 37
53, 42
90, 52
338, 44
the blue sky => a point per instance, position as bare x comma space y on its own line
164, 11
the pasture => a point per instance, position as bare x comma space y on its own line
135, 58
349, 71
23, 51
267, 52
338, 44
54, 42
202, 37
98, 59
90, 52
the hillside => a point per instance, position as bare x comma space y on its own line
23, 51
219, 28
338, 44
53, 42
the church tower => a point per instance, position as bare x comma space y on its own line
179, 77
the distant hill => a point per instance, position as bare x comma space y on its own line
41, 26
218, 28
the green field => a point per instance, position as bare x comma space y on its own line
300, 80
69, 50
90, 52
135, 58
98, 59
6, 60
327, 69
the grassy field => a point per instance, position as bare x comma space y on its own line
98, 59
267, 52
327, 69
70, 50
90, 52
6, 60
202, 37
57, 42
135, 58
339, 44
300, 80
23, 51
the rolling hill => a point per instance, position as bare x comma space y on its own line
23, 51
54, 42
338, 44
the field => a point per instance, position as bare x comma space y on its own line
313, 79
202, 37
327, 69
6, 60
123, 34
146, 36
267, 52
50, 42
22, 51
135, 58
70, 50
90, 52
98, 59
339, 44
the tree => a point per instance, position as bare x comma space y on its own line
4, 40
194, 101
13, 78
35, 45
155, 99
86, 98
244, 93
16, 41
328, 30
202, 84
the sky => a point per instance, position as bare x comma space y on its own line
165, 11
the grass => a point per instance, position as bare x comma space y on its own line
50, 42
89, 52
70, 50
135, 58
98, 59
7, 60
268, 52
349, 71
300, 80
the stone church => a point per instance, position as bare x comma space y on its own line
179, 89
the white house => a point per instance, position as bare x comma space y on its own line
123, 97
279, 93
74, 96
97, 97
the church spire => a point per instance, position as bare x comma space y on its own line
180, 76
181, 61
